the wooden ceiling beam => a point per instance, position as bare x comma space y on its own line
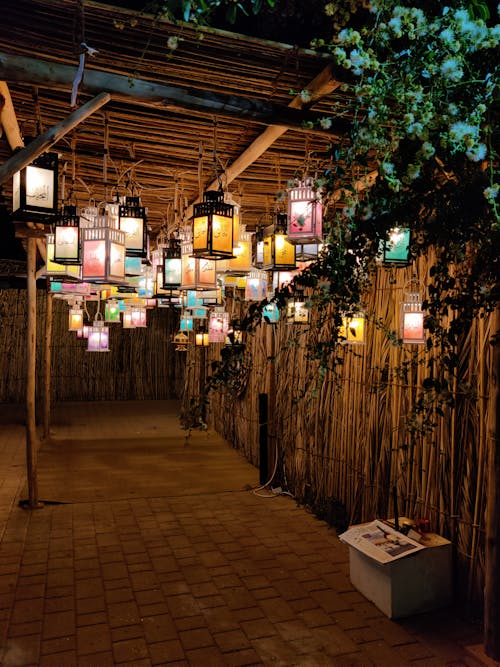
8, 119
21, 69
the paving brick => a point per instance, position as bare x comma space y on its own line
130, 650
25, 629
58, 624
315, 618
166, 652
183, 605
203, 657
123, 613
159, 628
92, 618
233, 640
258, 628
197, 638
93, 639
21, 652
127, 632
90, 605
63, 659
190, 622
121, 594
25, 611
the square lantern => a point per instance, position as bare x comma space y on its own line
306, 252
138, 315
103, 251
127, 321
75, 322
201, 338
213, 227
83, 332
132, 221
305, 213
34, 190
241, 262
412, 319
98, 339
171, 264
271, 313
353, 329
133, 266
196, 272
278, 253
67, 237
228, 198
396, 249
297, 311
112, 311
186, 323
53, 268
234, 336
146, 282
218, 325
256, 286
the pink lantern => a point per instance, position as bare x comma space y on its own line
305, 213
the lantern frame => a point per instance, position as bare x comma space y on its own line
412, 320
133, 222
297, 311
67, 247
213, 227
53, 268
351, 325
305, 213
395, 250
278, 254
31, 185
201, 338
100, 238
98, 338
196, 272
172, 265
218, 325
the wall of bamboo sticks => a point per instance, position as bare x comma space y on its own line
141, 363
347, 439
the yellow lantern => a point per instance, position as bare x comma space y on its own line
353, 329
213, 227
132, 221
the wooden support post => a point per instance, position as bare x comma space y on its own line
492, 569
272, 453
31, 433
48, 365
51, 136
263, 439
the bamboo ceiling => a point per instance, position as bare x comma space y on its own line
154, 145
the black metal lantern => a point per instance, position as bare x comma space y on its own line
67, 237
132, 220
171, 269
34, 190
213, 227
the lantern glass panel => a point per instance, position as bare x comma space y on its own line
396, 249
98, 339
271, 313
256, 286
353, 329
75, 319
305, 213
132, 221
112, 311
67, 245
34, 189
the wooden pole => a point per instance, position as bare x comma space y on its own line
50, 137
272, 453
31, 433
492, 568
48, 366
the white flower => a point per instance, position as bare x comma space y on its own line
452, 109
325, 123
305, 96
395, 25
413, 171
491, 192
461, 131
387, 168
173, 42
447, 36
330, 9
427, 150
451, 69
477, 153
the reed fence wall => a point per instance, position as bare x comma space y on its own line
345, 441
141, 363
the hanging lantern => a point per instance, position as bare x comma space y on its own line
201, 338
412, 319
297, 311
306, 252
146, 282
213, 227
218, 325
98, 340
112, 311
83, 332
282, 278
34, 190
256, 286
181, 341
241, 262
305, 213
127, 320
75, 318
353, 329
271, 313
196, 272
103, 248
234, 334
53, 268
396, 249
186, 323
138, 315
228, 198
172, 264
132, 221
278, 253
67, 237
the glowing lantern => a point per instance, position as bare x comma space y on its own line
241, 262
127, 321
112, 311
201, 338
75, 318
196, 272
138, 315
353, 329
412, 319
256, 286
213, 227
297, 311
103, 248
305, 213
52, 268
218, 325
171, 264
270, 313
132, 221
278, 253
306, 252
98, 339
396, 249
235, 334
34, 190
181, 341
67, 237
83, 332
186, 323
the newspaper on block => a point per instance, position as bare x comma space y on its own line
380, 541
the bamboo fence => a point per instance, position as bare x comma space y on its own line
348, 440
141, 363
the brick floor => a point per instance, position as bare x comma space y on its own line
214, 578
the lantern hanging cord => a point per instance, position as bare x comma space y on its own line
216, 171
